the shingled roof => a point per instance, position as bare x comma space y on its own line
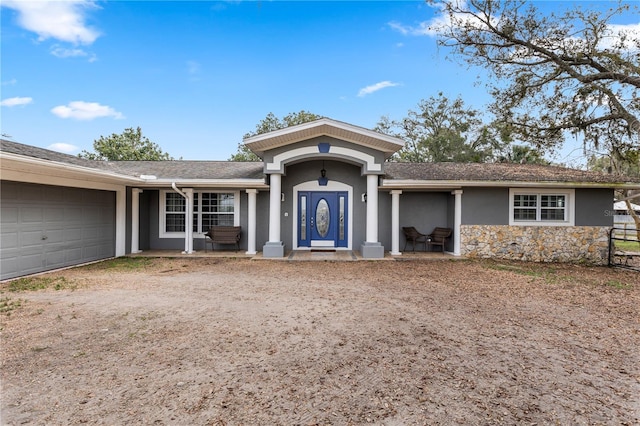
420, 173
47, 154
181, 169
176, 169
496, 172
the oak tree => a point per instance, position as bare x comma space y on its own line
269, 124
129, 145
443, 130
572, 71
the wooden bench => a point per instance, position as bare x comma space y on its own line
439, 237
222, 235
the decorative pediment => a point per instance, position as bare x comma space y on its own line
386, 144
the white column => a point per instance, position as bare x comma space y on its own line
251, 232
135, 220
372, 209
275, 188
121, 222
457, 221
188, 242
274, 248
395, 222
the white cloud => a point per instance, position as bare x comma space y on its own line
81, 110
63, 52
438, 23
17, 101
615, 31
63, 147
397, 26
11, 82
61, 20
423, 28
194, 69
375, 87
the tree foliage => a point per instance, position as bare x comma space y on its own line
522, 154
129, 145
443, 130
269, 124
549, 74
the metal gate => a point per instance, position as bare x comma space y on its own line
624, 248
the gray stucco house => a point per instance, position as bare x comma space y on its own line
323, 184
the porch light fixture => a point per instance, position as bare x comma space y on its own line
322, 180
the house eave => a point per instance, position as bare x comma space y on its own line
30, 169
456, 184
206, 183
19, 165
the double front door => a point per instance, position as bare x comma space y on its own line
322, 219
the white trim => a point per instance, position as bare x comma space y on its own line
37, 166
44, 179
570, 208
332, 186
324, 127
457, 184
322, 243
202, 184
278, 160
162, 213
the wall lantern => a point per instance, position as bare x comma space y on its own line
323, 180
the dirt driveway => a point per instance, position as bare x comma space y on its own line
230, 342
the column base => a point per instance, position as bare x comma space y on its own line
372, 250
273, 250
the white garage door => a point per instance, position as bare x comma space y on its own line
48, 227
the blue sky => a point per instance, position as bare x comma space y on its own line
196, 76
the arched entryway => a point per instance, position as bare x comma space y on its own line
322, 215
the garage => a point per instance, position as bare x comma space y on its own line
45, 227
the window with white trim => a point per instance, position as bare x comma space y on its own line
541, 207
210, 208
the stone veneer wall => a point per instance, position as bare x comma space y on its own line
536, 243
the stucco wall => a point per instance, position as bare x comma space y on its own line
422, 210
149, 223
485, 206
536, 243
593, 207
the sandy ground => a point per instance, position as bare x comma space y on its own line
230, 342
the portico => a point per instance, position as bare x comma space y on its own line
347, 162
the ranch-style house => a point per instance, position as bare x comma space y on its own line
322, 185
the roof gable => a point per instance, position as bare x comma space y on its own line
323, 127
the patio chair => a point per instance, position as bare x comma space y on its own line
412, 234
439, 237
